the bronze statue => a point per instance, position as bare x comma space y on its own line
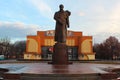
60, 54
62, 22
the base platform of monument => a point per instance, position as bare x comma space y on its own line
60, 54
44, 71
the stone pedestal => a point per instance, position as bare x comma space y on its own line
60, 55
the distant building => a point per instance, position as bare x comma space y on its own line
40, 46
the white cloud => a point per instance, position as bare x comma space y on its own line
42, 7
81, 13
115, 19
98, 8
100, 37
112, 23
17, 29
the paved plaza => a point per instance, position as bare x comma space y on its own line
48, 70
44, 68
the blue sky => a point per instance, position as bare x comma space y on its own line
99, 18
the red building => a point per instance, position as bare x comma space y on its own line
40, 46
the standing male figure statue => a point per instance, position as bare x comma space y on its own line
62, 22
60, 55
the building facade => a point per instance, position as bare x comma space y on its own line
40, 46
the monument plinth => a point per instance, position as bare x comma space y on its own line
60, 55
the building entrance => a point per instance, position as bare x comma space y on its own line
48, 51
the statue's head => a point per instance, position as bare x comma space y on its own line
61, 6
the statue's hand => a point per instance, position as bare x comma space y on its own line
68, 26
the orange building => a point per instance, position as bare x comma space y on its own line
40, 46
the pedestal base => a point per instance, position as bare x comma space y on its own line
60, 55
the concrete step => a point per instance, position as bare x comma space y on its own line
60, 77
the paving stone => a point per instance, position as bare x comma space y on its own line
44, 71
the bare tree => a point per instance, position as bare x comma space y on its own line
4, 46
20, 48
109, 49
